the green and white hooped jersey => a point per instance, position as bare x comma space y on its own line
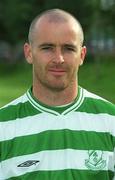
72, 142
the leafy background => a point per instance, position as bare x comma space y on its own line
97, 18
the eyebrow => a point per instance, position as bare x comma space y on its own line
46, 44
53, 45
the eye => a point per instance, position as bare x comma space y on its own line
47, 48
69, 48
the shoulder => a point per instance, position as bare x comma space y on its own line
98, 103
9, 111
16, 101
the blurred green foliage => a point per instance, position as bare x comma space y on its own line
98, 23
16, 15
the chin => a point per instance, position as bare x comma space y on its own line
55, 87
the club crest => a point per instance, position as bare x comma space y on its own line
96, 160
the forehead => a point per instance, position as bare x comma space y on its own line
56, 30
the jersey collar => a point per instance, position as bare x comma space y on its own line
56, 110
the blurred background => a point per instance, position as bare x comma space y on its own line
97, 18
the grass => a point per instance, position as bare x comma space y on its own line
95, 77
99, 78
14, 81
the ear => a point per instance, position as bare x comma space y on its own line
83, 54
28, 53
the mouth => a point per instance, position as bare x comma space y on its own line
57, 71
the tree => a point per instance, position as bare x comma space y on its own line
16, 17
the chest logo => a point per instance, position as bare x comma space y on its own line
96, 160
28, 163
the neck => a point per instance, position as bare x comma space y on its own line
55, 98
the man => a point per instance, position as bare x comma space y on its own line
57, 130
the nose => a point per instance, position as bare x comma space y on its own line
58, 56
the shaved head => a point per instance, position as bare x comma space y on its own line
54, 16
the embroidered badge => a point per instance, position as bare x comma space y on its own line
96, 160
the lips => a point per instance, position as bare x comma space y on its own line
56, 71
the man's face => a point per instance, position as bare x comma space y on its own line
56, 54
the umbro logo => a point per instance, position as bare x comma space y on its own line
28, 163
